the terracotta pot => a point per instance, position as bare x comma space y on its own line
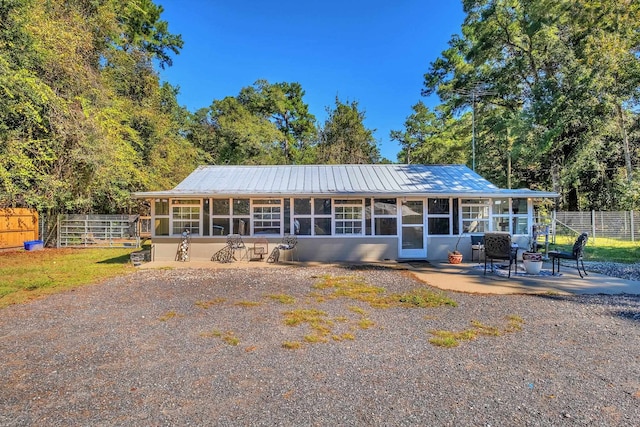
455, 258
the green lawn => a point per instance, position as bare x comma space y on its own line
26, 275
602, 249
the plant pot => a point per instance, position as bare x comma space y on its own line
532, 267
455, 258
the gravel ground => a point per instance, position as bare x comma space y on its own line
140, 350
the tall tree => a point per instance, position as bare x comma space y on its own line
542, 61
344, 139
282, 103
432, 137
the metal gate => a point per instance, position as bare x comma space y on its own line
98, 231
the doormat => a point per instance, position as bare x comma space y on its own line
502, 270
419, 263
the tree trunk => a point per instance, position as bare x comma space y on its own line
625, 143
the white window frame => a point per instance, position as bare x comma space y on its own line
255, 204
475, 209
350, 205
374, 216
173, 221
448, 216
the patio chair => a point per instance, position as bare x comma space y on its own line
259, 250
577, 254
497, 245
288, 244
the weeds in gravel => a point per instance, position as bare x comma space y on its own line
354, 287
282, 298
168, 315
248, 303
292, 345
210, 303
229, 337
450, 339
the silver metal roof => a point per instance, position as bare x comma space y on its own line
332, 180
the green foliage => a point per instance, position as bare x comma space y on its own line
344, 139
555, 89
84, 119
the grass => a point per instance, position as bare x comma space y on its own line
28, 275
449, 339
602, 249
354, 287
228, 337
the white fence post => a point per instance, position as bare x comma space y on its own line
593, 225
633, 238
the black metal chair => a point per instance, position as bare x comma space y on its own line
576, 254
497, 245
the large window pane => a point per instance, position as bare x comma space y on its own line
385, 207
322, 206
322, 226
162, 226
412, 212
241, 226
438, 226
241, 206
302, 206
386, 226
162, 207
221, 207
266, 219
302, 226
438, 206
412, 237
221, 226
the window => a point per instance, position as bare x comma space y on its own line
322, 217
161, 212
220, 217
267, 216
348, 216
510, 215
385, 212
475, 215
302, 217
439, 217
240, 217
185, 216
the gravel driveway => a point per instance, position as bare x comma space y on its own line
205, 347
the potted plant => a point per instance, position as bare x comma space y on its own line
532, 262
455, 256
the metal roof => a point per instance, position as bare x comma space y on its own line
336, 180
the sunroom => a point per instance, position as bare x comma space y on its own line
339, 212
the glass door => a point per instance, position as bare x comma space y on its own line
412, 238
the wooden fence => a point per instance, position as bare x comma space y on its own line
17, 225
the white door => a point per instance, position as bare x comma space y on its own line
412, 237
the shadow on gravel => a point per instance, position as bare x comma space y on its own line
626, 307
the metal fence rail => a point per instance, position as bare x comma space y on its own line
98, 231
621, 225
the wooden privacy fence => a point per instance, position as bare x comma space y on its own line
623, 225
17, 225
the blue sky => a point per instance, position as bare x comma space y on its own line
373, 52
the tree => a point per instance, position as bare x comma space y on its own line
432, 137
282, 104
564, 68
344, 139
